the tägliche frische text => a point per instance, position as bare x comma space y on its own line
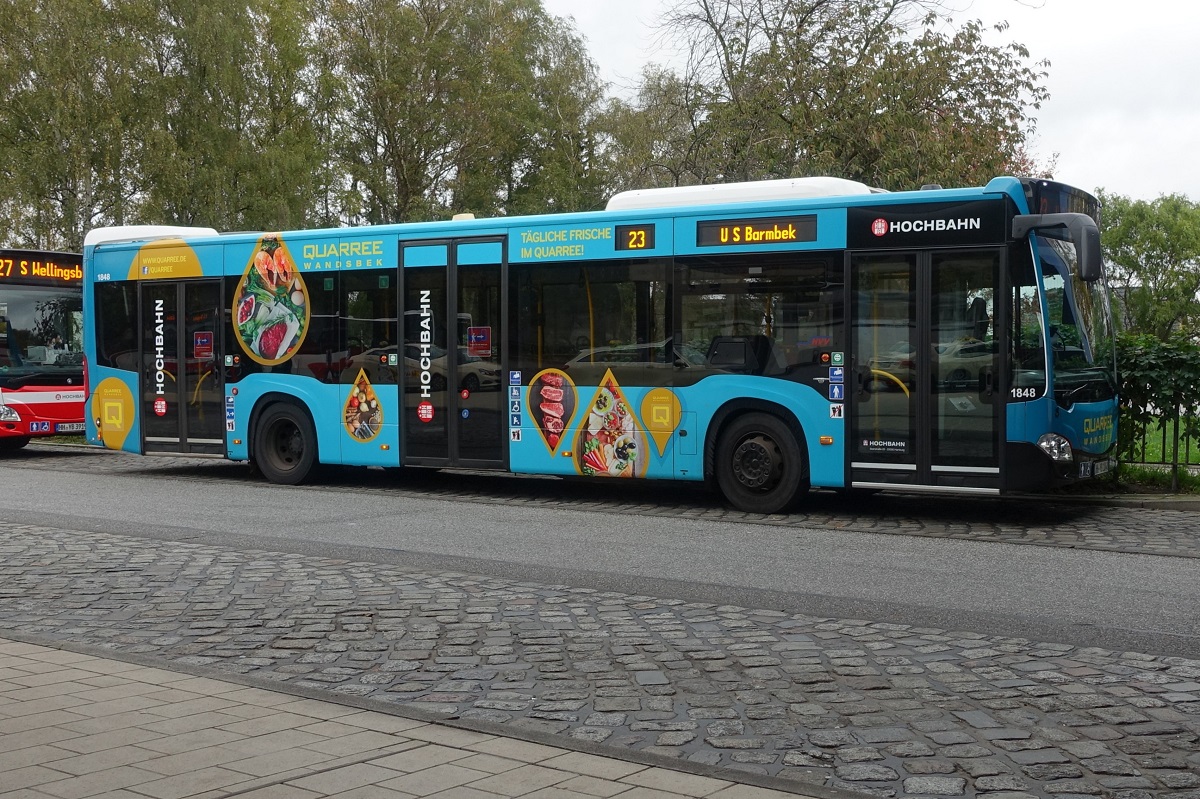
562, 243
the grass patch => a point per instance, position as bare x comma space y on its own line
1158, 442
1152, 478
61, 440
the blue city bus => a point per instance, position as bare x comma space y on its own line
762, 337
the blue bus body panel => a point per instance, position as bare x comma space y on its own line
678, 452
1089, 426
326, 402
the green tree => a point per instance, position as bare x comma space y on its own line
225, 89
658, 139
474, 106
882, 91
1153, 254
69, 121
556, 164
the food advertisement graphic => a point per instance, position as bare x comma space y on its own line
552, 400
270, 306
362, 415
610, 442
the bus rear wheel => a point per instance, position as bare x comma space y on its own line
285, 444
759, 465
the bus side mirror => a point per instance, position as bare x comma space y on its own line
1081, 230
1087, 247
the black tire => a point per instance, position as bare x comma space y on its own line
13, 444
438, 383
959, 375
759, 465
471, 383
285, 444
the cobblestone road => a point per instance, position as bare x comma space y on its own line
885, 709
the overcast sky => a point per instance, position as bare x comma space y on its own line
1124, 80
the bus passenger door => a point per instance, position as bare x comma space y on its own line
181, 384
926, 407
454, 402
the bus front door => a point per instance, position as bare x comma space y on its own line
181, 386
454, 403
925, 405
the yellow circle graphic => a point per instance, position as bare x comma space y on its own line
661, 413
113, 411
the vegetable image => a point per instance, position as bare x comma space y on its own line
610, 441
245, 309
270, 306
362, 414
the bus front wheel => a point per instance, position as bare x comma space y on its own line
13, 444
285, 444
760, 467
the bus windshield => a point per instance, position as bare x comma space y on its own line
41, 335
1080, 327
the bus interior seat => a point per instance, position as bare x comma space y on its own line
749, 354
979, 318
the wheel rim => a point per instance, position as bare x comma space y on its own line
287, 445
758, 463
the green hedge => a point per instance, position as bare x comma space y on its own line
1160, 398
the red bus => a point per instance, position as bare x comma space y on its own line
41, 346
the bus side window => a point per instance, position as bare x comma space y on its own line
116, 314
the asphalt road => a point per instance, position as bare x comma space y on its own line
1116, 600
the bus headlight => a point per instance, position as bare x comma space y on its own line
1057, 447
9, 414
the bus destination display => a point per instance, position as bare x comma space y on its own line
758, 230
634, 237
46, 268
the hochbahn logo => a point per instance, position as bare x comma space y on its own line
882, 227
160, 356
926, 224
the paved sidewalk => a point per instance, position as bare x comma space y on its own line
73, 725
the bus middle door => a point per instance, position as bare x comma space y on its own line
454, 404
